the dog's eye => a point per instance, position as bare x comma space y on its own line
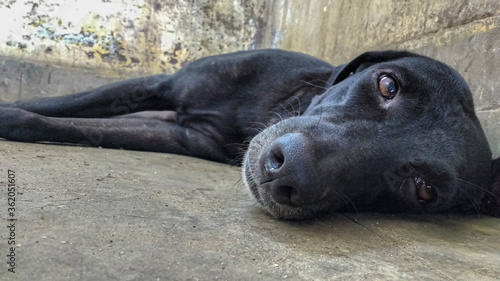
387, 86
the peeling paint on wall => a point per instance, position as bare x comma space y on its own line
115, 36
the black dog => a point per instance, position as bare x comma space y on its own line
389, 131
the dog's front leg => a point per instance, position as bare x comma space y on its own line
120, 98
126, 133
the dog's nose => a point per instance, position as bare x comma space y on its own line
289, 171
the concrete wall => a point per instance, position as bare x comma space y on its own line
464, 34
115, 36
46, 44
54, 47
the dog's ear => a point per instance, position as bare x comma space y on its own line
365, 60
492, 203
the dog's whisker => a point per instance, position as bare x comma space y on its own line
261, 124
326, 82
279, 115
474, 202
347, 201
238, 185
300, 107
478, 187
314, 85
287, 110
292, 112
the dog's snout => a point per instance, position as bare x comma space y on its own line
288, 171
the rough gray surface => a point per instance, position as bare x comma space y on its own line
98, 214
24, 80
136, 36
337, 30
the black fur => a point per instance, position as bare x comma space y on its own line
322, 137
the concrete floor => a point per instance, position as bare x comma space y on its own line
99, 214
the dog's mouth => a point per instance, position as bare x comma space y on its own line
279, 171
420, 190
288, 211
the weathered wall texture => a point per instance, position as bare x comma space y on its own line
113, 36
464, 34
55, 47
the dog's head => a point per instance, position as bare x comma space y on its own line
395, 132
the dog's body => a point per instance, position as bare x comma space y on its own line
389, 131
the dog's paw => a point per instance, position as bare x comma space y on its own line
8, 117
15, 123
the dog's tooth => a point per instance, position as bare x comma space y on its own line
419, 181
